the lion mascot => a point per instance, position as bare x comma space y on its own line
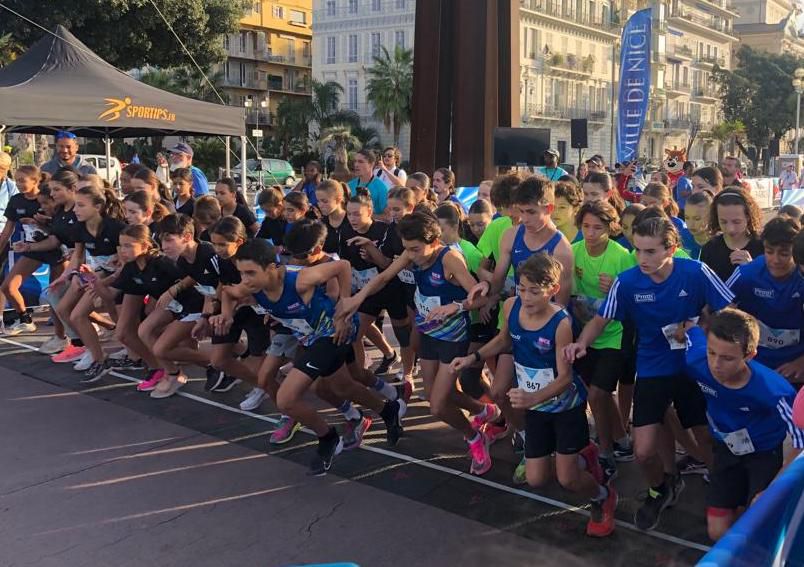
674, 164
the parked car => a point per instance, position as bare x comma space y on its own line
99, 163
266, 172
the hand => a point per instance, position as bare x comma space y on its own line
681, 331
487, 311
200, 329
479, 290
165, 299
442, 312
41, 219
359, 241
793, 370
343, 329
27, 220
739, 257
520, 399
346, 307
461, 362
220, 324
604, 282
20, 247
574, 351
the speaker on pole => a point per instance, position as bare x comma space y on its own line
578, 133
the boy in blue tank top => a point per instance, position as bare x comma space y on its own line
296, 298
749, 407
551, 393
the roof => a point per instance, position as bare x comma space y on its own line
59, 83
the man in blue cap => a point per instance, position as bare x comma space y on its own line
181, 155
67, 155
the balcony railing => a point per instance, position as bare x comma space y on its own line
678, 123
258, 117
678, 86
711, 22
682, 51
710, 60
702, 92
363, 9
568, 13
247, 83
566, 112
570, 62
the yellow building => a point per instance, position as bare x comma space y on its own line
270, 58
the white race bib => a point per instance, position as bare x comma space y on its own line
300, 326
29, 232
206, 290
777, 338
175, 307
99, 262
361, 278
739, 442
669, 332
533, 379
406, 276
259, 309
426, 303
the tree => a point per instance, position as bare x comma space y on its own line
186, 81
390, 88
759, 93
131, 33
9, 49
694, 131
339, 140
729, 132
290, 126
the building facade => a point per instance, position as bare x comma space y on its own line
347, 35
568, 67
769, 25
269, 59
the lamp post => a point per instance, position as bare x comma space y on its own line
248, 103
798, 85
525, 86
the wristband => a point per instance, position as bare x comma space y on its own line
461, 308
478, 358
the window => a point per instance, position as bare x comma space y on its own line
242, 74
306, 49
226, 70
278, 12
256, 8
353, 6
400, 4
399, 39
351, 94
376, 5
352, 51
226, 42
330, 7
331, 54
242, 42
297, 17
376, 42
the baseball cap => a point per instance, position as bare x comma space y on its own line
594, 160
181, 148
552, 152
62, 134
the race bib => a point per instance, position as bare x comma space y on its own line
206, 290
739, 442
361, 278
300, 326
175, 307
29, 232
426, 303
99, 262
777, 338
670, 331
533, 379
406, 276
259, 309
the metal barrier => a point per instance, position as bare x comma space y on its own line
771, 532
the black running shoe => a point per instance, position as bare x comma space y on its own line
678, 486
227, 384
324, 454
391, 414
648, 515
125, 363
623, 453
689, 465
214, 378
518, 442
95, 372
386, 364
609, 466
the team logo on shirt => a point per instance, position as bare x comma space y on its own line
708, 390
20, 211
295, 307
645, 297
436, 278
543, 344
579, 272
137, 281
515, 337
763, 293
682, 293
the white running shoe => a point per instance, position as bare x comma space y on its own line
19, 328
53, 345
253, 399
84, 362
119, 355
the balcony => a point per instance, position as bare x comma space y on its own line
683, 52
302, 61
678, 124
258, 117
550, 112
296, 88
677, 88
248, 82
568, 16
705, 94
723, 6
709, 61
706, 24
363, 10
570, 65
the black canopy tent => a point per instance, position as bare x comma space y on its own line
60, 84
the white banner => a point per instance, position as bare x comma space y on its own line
762, 191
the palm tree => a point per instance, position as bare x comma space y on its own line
390, 87
290, 125
339, 140
326, 97
728, 132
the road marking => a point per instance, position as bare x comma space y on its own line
421, 463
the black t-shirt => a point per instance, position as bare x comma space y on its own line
159, 273
715, 254
102, 245
377, 232
332, 243
20, 208
63, 226
187, 208
246, 217
225, 269
201, 269
168, 205
273, 230
204, 236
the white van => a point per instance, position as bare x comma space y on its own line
99, 163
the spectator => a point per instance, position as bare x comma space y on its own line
7, 190
311, 180
67, 156
388, 170
550, 169
732, 172
594, 164
788, 178
181, 155
707, 179
163, 169
364, 163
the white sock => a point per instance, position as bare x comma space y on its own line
582, 464
602, 493
388, 391
351, 413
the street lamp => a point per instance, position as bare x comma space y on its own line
798, 85
526, 86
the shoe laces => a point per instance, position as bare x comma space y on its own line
478, 450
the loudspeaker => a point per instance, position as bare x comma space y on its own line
773, 147
578, 131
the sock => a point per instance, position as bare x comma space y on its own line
77, 342
331, 435
602, 493
349, 411
388, 392
473, 439
25, 317
623, 442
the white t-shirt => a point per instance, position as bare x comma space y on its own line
7, 190
399, 172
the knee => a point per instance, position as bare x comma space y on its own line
644, 453
75, 318
5, 287
438, 406
499, 395
161, 350
716, 528
536, 478
218, 358
284, 402
144, 333
568, 480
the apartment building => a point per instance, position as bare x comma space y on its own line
567, 63
347, 35
769, 25
269, 58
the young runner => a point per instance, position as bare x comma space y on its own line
139, 208
553, 396
481, 214
659, 195
663, 296
234, 204
146, 180
599, 187
568, 199
332, 198
206, 213
426, 199
182, 180
444, 187
749, 411
270, 200
364, 169
627, 224
696, 215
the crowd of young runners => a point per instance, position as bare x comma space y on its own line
544, 306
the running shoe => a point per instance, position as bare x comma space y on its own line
601, 518
677, 484
623, 453
490, 413
169, 386
518, 442
151, 380
71, 353
648, 515
404, 391
392, 414
227, 384
54, 345
324, 455
214, 378
609, 465
253, 399
84, 362
19, 328
386, 364
520, 476
494, 431
689, 465
591, 455
481, 459
117, 355
125, 363
95, 372
285, 430
354, 430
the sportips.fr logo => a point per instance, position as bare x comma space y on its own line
116, 107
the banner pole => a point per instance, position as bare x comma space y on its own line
612, 157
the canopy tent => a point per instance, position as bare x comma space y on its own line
60, 84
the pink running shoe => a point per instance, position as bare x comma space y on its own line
481, 459
69, 354
151, 380
591, 455
494, 432
490, 413
285, 430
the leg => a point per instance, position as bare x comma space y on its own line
646, 450
10, 287
572, 478
126, 332
442, 404
266, 375
290, 402
373, 334
718, 521
64, 305
539, 471
79, 320
56, 270
149, 331
222, 358
503, 381
172, 345
625, 400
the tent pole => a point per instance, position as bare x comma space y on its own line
243, 177
108, 143
228, 156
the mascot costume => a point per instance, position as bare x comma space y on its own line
674, 164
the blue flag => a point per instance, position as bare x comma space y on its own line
634, 95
